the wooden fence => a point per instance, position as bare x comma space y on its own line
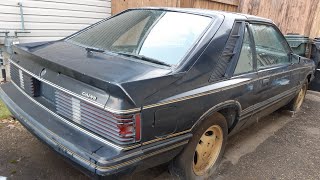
120, 5
226, 5
292, 16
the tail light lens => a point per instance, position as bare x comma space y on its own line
129, 127
122, 129
138, 127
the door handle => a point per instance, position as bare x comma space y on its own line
265, 81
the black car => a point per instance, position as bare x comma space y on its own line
154, 85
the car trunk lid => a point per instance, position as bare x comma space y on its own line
93, 75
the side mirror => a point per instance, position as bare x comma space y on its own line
295, 59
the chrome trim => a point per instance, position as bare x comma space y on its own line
257, 110
266, 103
95, 136
166, 137
76, 95
263, 77
151, 105
215, 90
21, 78
43, 135
56, 86
120, 165
66, 150
196, 95
134, 110
137, 159
68, 122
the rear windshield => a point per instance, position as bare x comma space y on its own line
161, 35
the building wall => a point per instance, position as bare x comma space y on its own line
51, 19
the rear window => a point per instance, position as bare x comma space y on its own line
162, 35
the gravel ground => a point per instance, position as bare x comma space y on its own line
279, 146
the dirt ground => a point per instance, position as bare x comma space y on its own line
279, 146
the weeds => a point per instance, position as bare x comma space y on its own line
4, 112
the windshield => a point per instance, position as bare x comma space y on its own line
161, 35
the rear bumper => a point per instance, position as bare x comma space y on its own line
91, 154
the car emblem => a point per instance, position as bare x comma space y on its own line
89, 96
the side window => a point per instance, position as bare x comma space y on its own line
245, 62
270, 46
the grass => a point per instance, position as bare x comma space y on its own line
4, 112
13, 161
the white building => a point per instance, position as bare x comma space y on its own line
46, 20
50, 19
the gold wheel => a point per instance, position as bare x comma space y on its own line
207, 150
301, 96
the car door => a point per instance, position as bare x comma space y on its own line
276, 83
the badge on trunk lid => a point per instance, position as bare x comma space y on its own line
89, 96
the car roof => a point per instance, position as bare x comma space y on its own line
208, 12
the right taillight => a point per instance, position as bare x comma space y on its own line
129, 127
138, 127
122, 129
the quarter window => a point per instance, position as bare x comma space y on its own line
270, 46
245, 62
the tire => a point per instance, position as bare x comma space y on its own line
297, 101
188, 164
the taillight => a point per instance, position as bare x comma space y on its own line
138, 127
122, 129
129, 126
